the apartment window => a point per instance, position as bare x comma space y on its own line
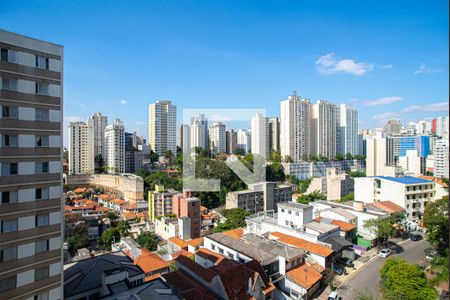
41, 273
213, 247
7, 284
43, 296
41, 141
9, 226
42, 193
282, 210
41, 167
297, 213
42, 88
9, 84
42, 114
9, 140
221, 251
41, 62
9, 169
286, 222
41, 220
9, 197
289, 212
8, 55
8, 254
10, 112
42, 246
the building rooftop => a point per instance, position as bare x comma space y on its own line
388, 206
304, 276
320, 227
212, 256
156, 289
150, 262
259, 248
179, 242
294, 205
86, 275
405, 179
187, 287
343, 226
318, 249
435, 179
235, 233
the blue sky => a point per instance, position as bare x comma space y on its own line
388, 58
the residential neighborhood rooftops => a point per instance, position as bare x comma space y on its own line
187, 287
320, 227
150, 262
343, 226
234, 233
435, 179
294, 205
209, 255
195, 242
179, 242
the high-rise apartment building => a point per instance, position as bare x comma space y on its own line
199, 132
98, 122
380, 156
186, 206
441, 158
348, 130
260, 136
81, 148
274, 134
31, 130
217, 138
231, 141
162, 127
160, 202
115, 147
244, 140
442, 124
185, 138
295, 130
392, 126
323, 129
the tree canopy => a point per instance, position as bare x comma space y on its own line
235, 219
402, 280
381, 227
436, 222
148, 240
311, 197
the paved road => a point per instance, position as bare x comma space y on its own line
367, 278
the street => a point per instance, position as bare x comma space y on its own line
367, 278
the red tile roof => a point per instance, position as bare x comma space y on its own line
195, 242
187, 287
235, 233
343, 226
209, 255
388, 206
150, 262
437, 180
304, 276
179, 242
79, 190
301, 243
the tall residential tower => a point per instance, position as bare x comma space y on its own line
162, 127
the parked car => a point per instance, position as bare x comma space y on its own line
338, 270
334, 296
345, 261
430, 254
415, 237
385, 252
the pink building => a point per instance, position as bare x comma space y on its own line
184, 205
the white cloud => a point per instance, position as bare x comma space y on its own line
383, 117
423, 69
434, 107
123, 101
329, 64
383, 101
387, 67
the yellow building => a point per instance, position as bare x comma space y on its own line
160, 202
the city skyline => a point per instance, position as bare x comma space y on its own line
382, 69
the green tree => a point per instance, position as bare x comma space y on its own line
349, 197
154, 157
112, 216
143, 173
200, 152
99, 163
339, 157
356, 174
288, 159
123, 227
311, 197
402, 280
275, 172
303, 185
239, 151
168, 156
436, 222
359, 157
77, 238
275, 156
164, 179
109, 236
148, 240
381, 227
348, 156
365, 296
235, 219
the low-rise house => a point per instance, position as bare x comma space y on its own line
302, 282
173, 227
334, 185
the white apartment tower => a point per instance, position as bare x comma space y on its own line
295, 120
442, 124
217, 138
185, 138
323, 129
380, 156
441, 158
81, 148
115, 147
244, 140
348, 128
199, 132
162, 127
260, 136
98, 122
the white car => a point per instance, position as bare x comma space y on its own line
385, 252
334, 296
